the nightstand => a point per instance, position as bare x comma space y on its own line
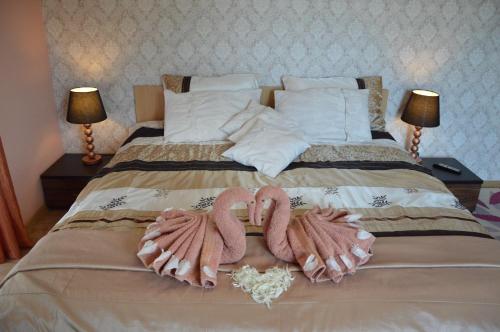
64, 180
464, 186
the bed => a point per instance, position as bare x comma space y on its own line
434, 268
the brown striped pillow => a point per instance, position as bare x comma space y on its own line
230, 82
377, 113
176, 83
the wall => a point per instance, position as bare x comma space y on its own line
448, 46
28, 121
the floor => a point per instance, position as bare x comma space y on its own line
45, 219
487, 212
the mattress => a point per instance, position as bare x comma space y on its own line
434, 267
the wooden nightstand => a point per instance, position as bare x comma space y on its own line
64, 180
465, 186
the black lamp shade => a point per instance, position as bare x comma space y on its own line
85, 106
422, 109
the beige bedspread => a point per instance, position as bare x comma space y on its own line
434, 268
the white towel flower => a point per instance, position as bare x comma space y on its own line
263, 287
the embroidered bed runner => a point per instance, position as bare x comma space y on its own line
379, 180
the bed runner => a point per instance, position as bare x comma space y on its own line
395, 196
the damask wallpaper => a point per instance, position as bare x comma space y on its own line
450, 46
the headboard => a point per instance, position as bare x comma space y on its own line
149, 103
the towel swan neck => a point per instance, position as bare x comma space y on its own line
276, 221
229, 226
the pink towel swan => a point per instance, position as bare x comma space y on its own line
324, 242
189, 245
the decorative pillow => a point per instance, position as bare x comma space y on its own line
372, 83
239, 119
197, 116
233, 82
268, 148
377, 114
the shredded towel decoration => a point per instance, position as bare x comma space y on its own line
263, 287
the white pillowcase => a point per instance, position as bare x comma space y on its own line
268, 148
329, 115
319, 112
197, 116
357, 115
239, 119
233, 82
271, 117
293, 83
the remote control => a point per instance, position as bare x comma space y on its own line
447, 168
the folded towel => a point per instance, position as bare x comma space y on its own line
326, 243
189, 246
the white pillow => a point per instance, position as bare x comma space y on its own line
319, 112
268, 148
357, 115
293, 83
239, 119
197, 116
231, 82
329, 115
271, 117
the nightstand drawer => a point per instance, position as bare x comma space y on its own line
467, 194
60, 193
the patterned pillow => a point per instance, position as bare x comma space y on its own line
176, 83
231, 82
377, 114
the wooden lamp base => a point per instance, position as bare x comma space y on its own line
91, 158
87, 160
417, 133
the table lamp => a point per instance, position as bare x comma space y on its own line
85, 107
422, 110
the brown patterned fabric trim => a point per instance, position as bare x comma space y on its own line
195, 165
471, 219
377, 114
175, 83
354, 152
213, 152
